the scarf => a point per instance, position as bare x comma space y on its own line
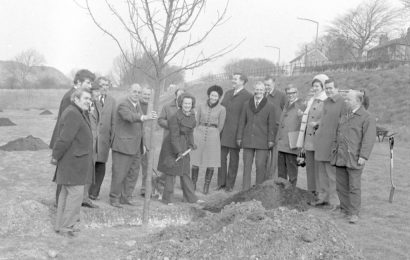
301, 138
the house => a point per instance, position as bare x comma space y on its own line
308, 59
391, 50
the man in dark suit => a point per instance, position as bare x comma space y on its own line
126, 145
105, 106
73, 155
278, 99
82, 79
233, 101
256, 134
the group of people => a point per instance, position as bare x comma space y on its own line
335, 134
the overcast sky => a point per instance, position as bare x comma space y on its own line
66, 36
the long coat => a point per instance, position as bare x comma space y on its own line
289, 122
332, 110
168, 110
105, 127
355, 138
73, 148
65, 102
233, 105
314, 115
257, 126
179, 140
278, 99
128, 129
207, 135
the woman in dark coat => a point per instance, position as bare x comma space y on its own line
172, 160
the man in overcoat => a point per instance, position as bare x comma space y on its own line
332, 110
233, 101
73, 155
82, 79
105, 106
356, 134
256, 134
126, 146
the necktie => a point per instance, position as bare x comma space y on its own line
102, 100
257, 103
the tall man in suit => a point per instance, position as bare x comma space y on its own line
105, 106
126, 145
82, 79
256, 134
233, 101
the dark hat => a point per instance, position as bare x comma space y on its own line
215, 88
95, 86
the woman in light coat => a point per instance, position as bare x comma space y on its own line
211, 118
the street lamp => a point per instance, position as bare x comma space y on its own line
274, 47
317, 26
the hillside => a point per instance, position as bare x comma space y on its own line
39, 77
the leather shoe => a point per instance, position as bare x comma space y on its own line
126, 202
116, 204
89, 204
318, 203
220, 187
228, 189
353, 219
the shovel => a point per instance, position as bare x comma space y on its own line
393, 187
183, 154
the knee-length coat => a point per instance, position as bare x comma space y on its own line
180, 139
207, 135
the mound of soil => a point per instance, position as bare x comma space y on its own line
29, 143
272, 194
4, 121
46, 112
249, 231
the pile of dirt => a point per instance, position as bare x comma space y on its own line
272, 194
4, 121
46, 112
29, 143
249, 231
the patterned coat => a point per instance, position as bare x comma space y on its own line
180, 139
355, 138
314, 115
207, 135
233, 105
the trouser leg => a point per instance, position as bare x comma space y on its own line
71, 213
222, 171
60, 208
355, 177
168, 188
292, 168
130, 181
58, 190
311, 170
121, 164
323, 189
261, 160
331, 176
248, 155
188, 189
342, 187
194, 175
272, 169
233, 167
95, 188
86, 199
282, 172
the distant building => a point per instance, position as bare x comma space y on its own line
390, 50
308, 59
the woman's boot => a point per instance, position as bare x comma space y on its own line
208, 177
194, 175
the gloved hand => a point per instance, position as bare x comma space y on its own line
239, 143
193, 147
271, 144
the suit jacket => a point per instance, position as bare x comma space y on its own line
128, 129
355, 138
105, 127
73, 148
233, 106
65, 102
257, 126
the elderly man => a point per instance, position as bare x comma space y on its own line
82, 79
356, 134
256, 134
73, 155
233, 101
289, 125
332, 110
105, 106
126, 146
278, 99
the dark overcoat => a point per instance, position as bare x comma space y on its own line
257, 126
105, 127
73, 148
233, 106
65, 102
356, 135
180, 139
128, 129
167, 111
278, 99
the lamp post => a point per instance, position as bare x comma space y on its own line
317, 26
274, 47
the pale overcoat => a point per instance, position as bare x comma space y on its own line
105, 127
314, 115
73, 148
207, 135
